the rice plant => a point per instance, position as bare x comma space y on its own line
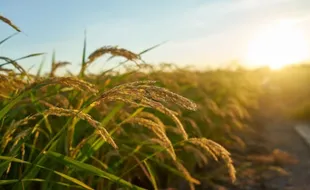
147, 128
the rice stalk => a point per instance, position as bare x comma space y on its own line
15, 64
158, 130
9, 22
7, 137
74, 151
142, 94
59, 112
114, 51
197, 153
20, 136
58, 65
152, 117
194, 125
83, 116
216, 151
6, 70
192, 181
64, 81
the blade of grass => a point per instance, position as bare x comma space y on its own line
74, 180
151, 157
31, 172
14, 63
85, 154
13, 153
7, 38
21, 58
53, 57
10, 181
84, 49
88, 168
10, 105
123, 158
151, 48
48, 185
83, 56
152, 175
53, 64
14, 101
123, 62
40, 67
99, 162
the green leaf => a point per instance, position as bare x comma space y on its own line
83, 66
152, 174
40, 67
14, 63
85, 154
9, 37
151, 157
151, 48
67, 161
76, 181
110, 116
32, 172
10, 181
53, 58
84, 49
21, 58
10, 105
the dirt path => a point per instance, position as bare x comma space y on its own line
284, 137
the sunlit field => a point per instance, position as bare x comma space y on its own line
151, 127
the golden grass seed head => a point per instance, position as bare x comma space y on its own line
186, 174
20, 136
152, 117
58, 65
9, 22
217, 151
60, 112
3, 78
136, 94
8, 135
97, 125
65, 81
158, 131
162, 94
114, 51
197, 153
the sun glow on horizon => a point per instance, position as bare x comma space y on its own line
277, 46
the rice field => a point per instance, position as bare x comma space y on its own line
147, 127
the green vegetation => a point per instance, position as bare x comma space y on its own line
145, 128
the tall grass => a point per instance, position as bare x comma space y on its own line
146, 128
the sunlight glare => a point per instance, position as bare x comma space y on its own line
277, 46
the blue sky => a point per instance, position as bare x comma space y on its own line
199, 32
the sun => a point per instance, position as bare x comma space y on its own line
276, 46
